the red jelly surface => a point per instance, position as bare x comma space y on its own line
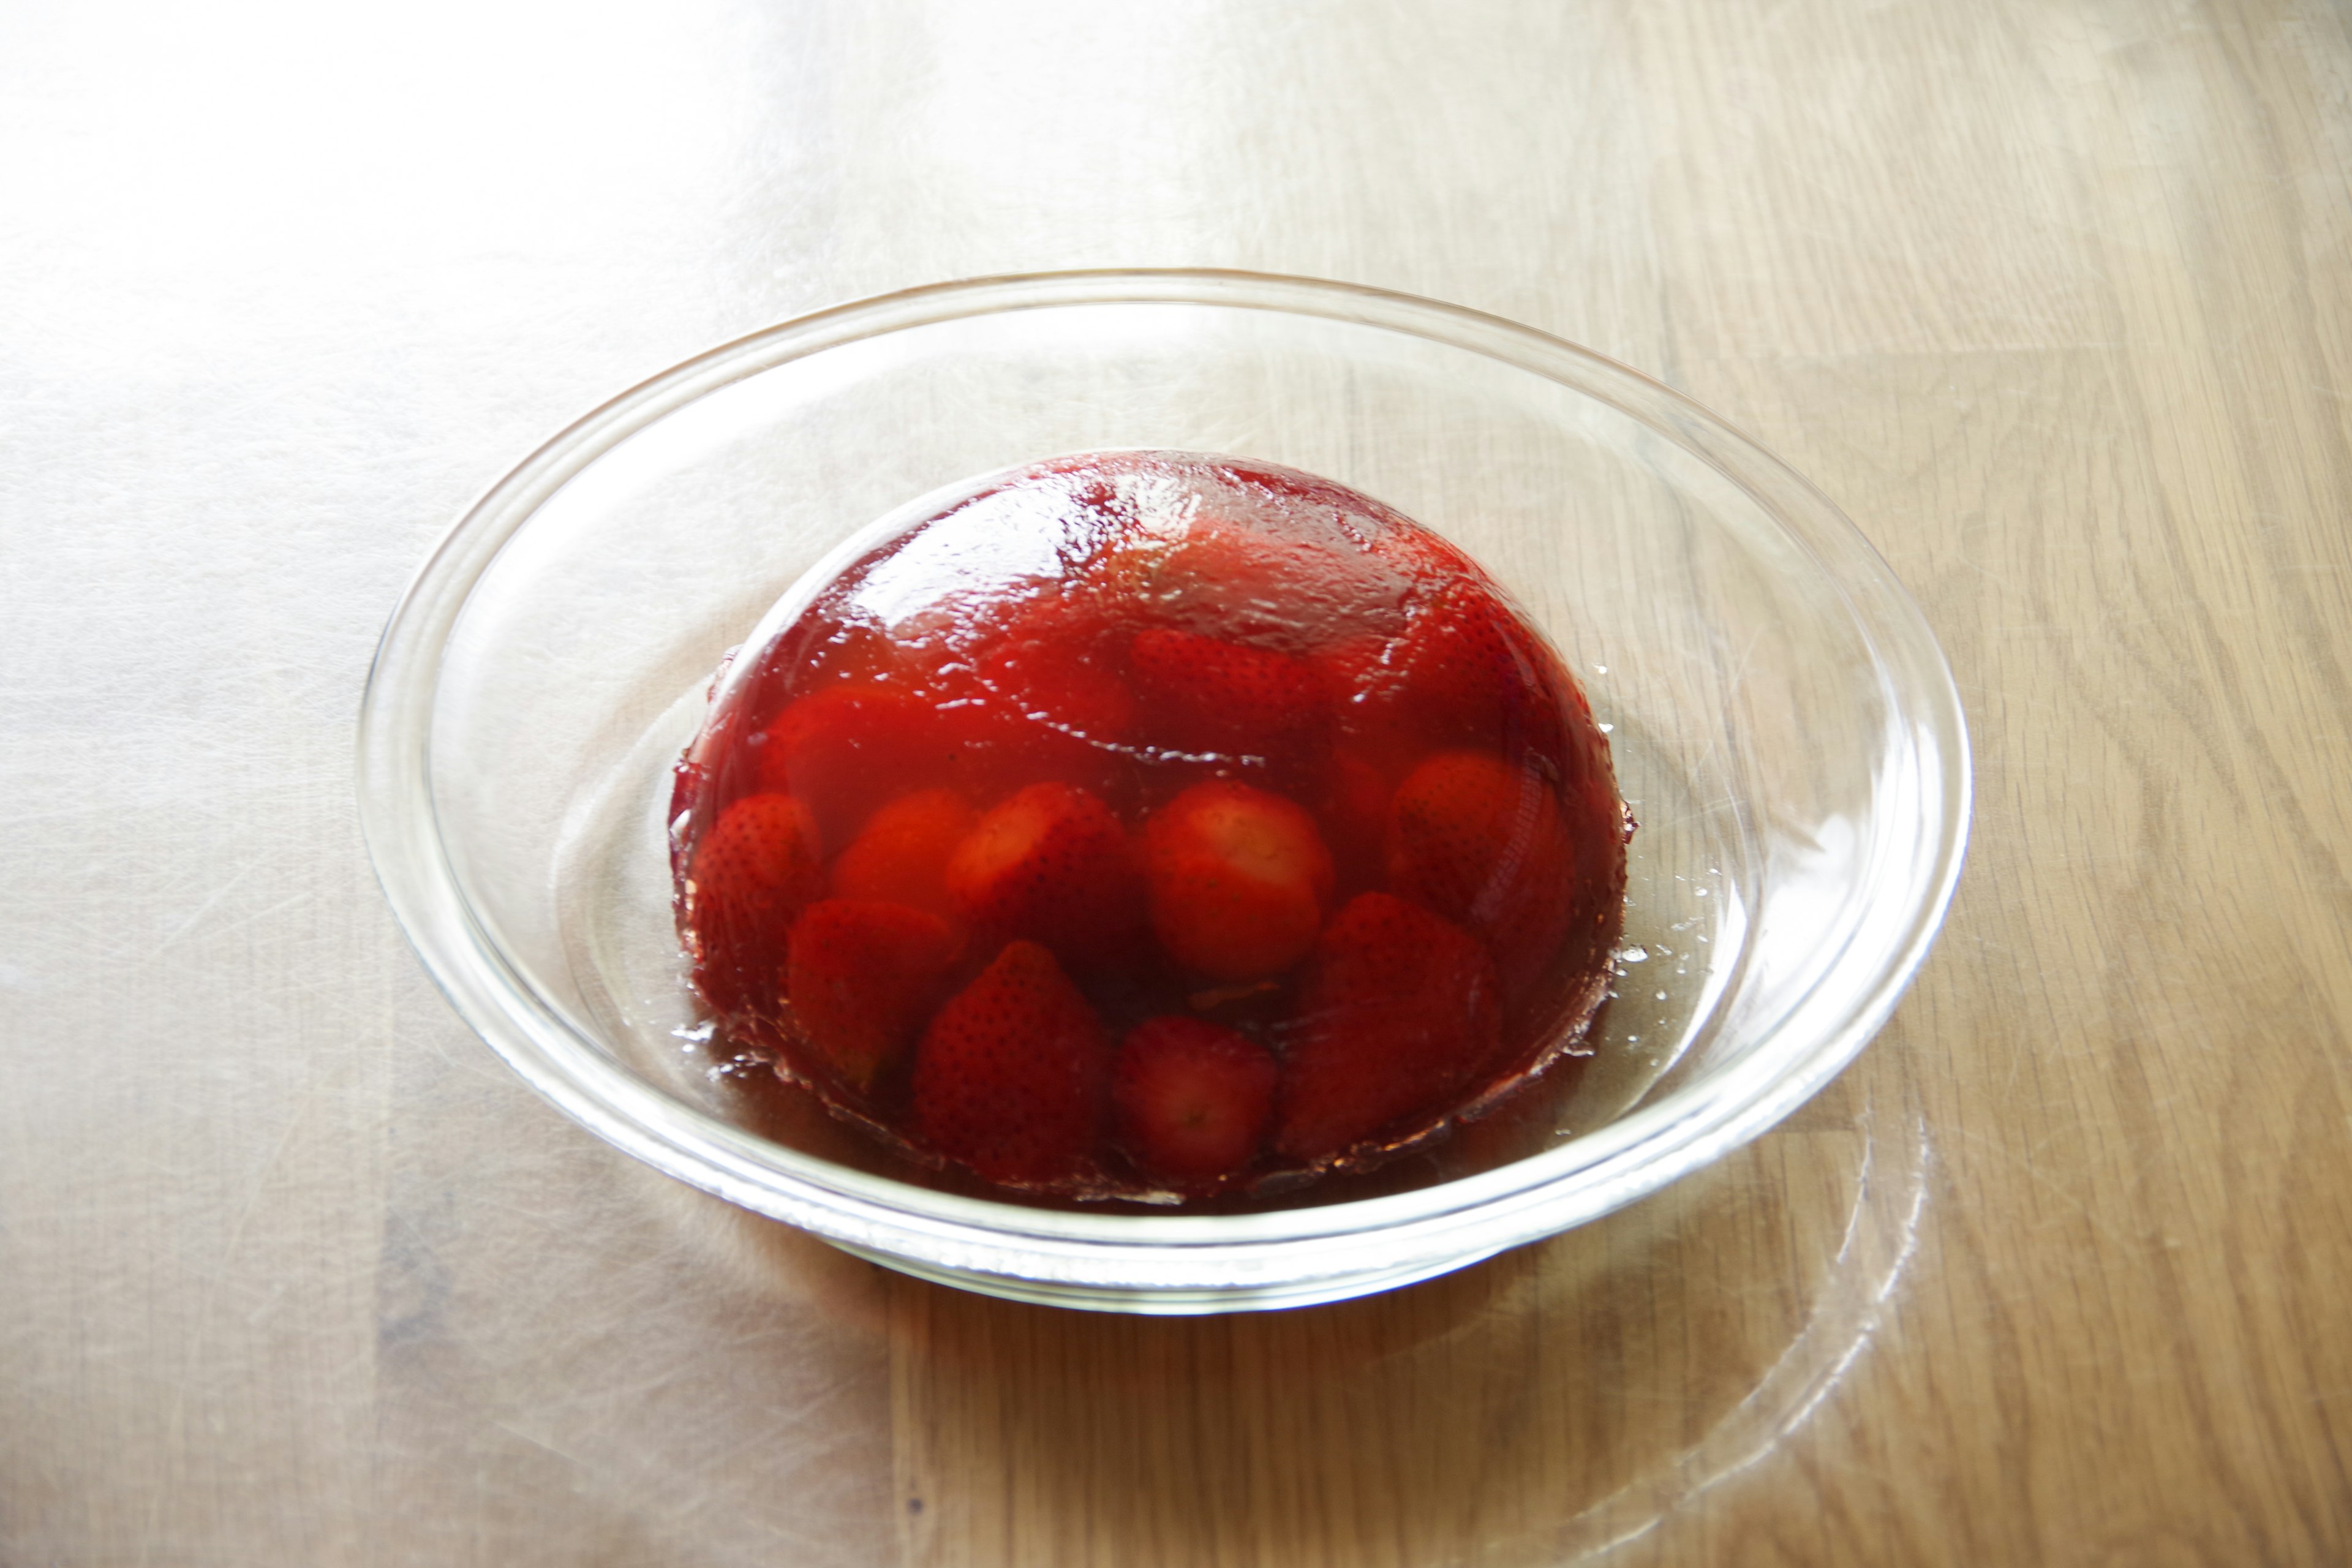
1146, 824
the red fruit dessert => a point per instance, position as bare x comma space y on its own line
1211, 695
901, 855
862, 976
1479, 839
1194, 1099
1398, 1012
747, 881
1049, 862
1215, 759
1239, 879
1010, 1076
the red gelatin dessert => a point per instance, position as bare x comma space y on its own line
1151, 825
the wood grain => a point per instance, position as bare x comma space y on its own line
2058, 340
2055, 297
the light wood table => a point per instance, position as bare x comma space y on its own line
2055, 297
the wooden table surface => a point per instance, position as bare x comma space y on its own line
2052, 296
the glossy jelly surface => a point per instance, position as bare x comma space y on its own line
1151, 824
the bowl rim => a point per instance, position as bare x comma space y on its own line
1269, 1253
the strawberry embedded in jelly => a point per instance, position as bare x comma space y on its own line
1221, 761
1011, 1076
1239, 880
1398, 1011
900, 855
1210, 695
861, 976
1480, 841
1062, 705
1192, 1098
1464, 669
843, 749
1050, 862
748, 880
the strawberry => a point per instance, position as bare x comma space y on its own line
1208, 695
1010, 1078
751, 875
1053, 666
1050, 862
1238, 880
842, 748
862, 976
1193, 1099
1481, 842
1396, 1012
1469, 835
1463, 671
1063, 705
901, 854
1375, 718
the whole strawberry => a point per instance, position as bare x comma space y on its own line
1464, 671
862, 976
1050, 863
1011, 1076
1062, 708
1204, 694
1192, 1098
753, 872
900, 855
1239, 879
1480, 840
845, 749
1397, 1010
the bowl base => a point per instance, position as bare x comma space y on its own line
1167, 1304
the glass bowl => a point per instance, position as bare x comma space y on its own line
1783, 724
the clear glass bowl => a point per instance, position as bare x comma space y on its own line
1783, 724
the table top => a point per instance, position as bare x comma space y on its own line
2051, 296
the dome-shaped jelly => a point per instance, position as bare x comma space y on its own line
1150, 823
